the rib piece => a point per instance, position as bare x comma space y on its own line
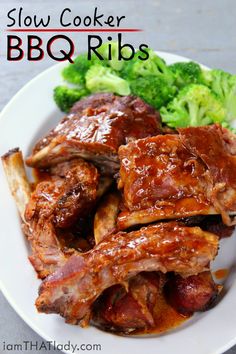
45, 246
106, 215
19, 185
78, 194
160, 179
95, 129
125, 311
163, 210
216, 147
47, 254
164, 247
61, 170
173, 176
58, 202
67, 197
195, 293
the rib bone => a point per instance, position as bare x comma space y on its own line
19, 185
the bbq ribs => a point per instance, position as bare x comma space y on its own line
149, 297
189, 175
94, 130
125, 310
72, 290
177, 176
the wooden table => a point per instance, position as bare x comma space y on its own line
201, 30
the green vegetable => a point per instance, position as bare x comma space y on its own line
224, 85
195, 105
72, 75
65, 97
104, 79
155, 90
112, 48
203, 96
206, 77
186, 73
154, 66
75, 73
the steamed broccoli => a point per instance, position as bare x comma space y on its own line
154, 90
114, 63
206, 77
195, 105
186, 73
65, 97
224, 85
72, 75
75, 73
103, 79
154, 65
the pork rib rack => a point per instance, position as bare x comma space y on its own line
94, 130
177, 176
72, 290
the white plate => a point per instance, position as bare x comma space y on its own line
27, 117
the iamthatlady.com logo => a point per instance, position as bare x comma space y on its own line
45, 346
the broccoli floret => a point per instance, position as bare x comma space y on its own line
224, 85
114, 63
65, 97
75, 73
104, 79
195, 105
154, 65
206, 77
72, 75
154, 90
186, 73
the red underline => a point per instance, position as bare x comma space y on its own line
74, 30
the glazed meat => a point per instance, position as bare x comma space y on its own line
160, 179
216, 147
61, 170
72, 290
67, 197
127, 307
194, 293
78, 196
58, 203
169, 176
45, 246
125, 310
125, 281
94, 130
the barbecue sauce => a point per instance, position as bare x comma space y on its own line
110, 314
221, 273
166, 318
